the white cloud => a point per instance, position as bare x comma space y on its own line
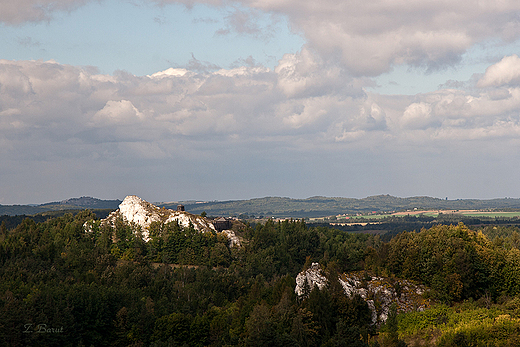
295, 72
169, 72
506, 71
118, 112
303, 99
304, 112
305, 74
418, 116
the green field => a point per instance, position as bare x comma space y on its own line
462, 213
493, 214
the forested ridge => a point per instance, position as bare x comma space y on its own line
63, 286
317, 206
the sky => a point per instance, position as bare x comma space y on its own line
222, 100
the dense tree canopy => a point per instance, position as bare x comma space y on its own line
61, 285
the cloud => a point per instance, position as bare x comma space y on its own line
370, 37
418, 116
306, 107
201, 66
306, 74
15, 12
505, 72
304, 100
248, 21
77, 107
118, 112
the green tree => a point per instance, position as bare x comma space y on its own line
174, 327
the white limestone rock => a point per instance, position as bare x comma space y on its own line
313, 277
233, 239
135, 210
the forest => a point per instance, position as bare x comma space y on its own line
62, 284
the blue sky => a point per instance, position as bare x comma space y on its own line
216, 100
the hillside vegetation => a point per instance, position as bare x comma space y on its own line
62, 286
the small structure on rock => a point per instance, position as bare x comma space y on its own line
222, 224
225, 226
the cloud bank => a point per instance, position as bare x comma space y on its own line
54, 113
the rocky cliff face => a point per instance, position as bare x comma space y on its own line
308, 279
378, 292
140, 212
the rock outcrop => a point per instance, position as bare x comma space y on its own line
378, 292
135, 210
308, 279
234, 240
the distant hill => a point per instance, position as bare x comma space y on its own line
82, 203
317, 206
320, 206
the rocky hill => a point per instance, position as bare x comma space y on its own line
137, 211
